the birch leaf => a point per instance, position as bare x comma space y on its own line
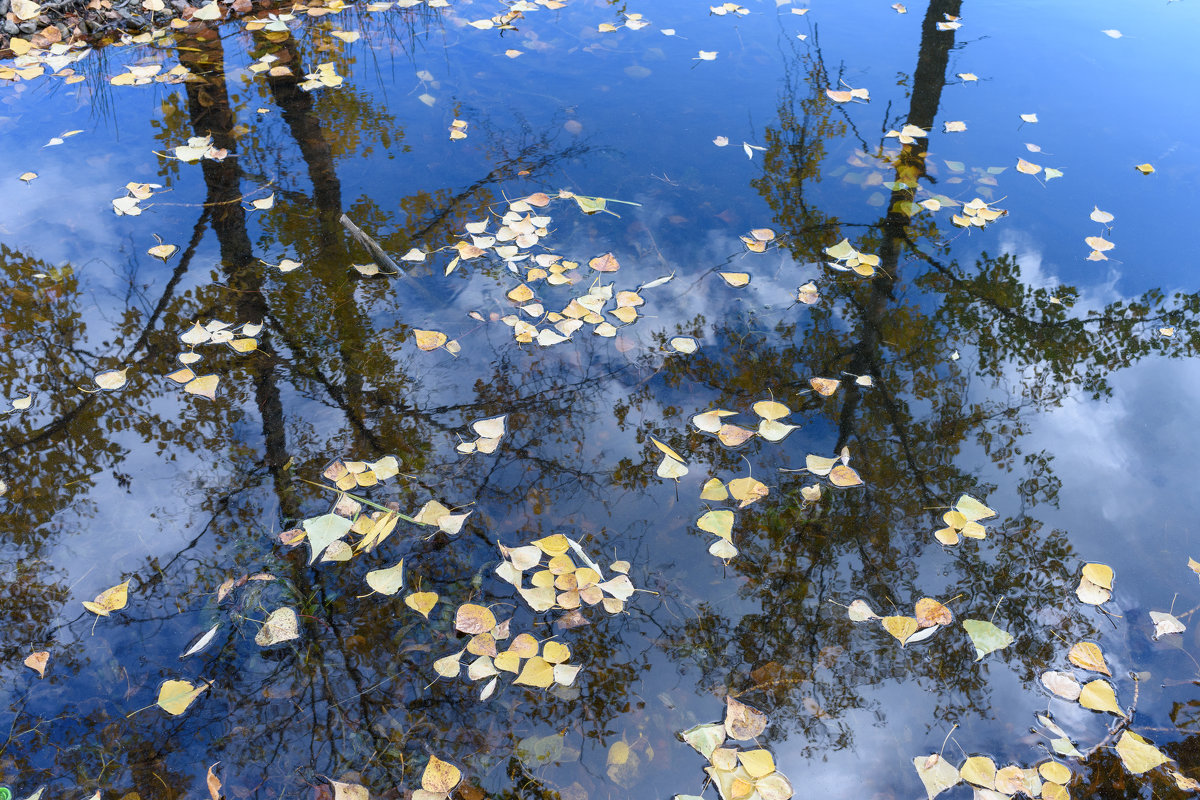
986, 637
1137, 754
1098, 695
174, 697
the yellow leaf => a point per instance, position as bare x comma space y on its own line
37, 661
713, 490
979, 771
605, 263
900, 627
448, 666
1137, 754
110, 600
1145, 169
421, 602
735, 279
554, 545
1054, 791
440, 777
205, 386
163, 251
1099, 574
667, 450
1055, 772
1098, 695
473, 619
972, 510
175, 696
1099, 243
670, 469
841, 475
537, 672
759, 763
743, 722
747, 490
769, 409
281, 625
387, 581
1087, 655
429, 340
719, 522
555, 652
113, 379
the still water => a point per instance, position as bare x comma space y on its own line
980, 350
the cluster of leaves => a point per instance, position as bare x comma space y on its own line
738, 774
556, 581
545, 663
770, 412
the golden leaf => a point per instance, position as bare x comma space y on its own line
174, 697
473, 619
735, 279
113, 599
900, 627
421, 602
841, 475
1087, 655
204, 386
429, 340
1098, 695
1137, 754
930, 612
440, 777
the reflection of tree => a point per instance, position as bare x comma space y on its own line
352, 694
906, 434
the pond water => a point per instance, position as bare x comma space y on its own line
1013, 318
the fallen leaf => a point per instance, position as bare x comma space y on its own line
474, 619
1098, 695
1062, 684
1165, 623
931, 612
1145, 169
204, 386
387, 581
936, 774
37, 662
1087, 655
110, 600
986, 637
901, 627
281, 625
1137, 754
174, 697
429, 340
440, 777
421, 602
743, 722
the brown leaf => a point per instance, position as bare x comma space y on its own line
930, 612
37, 662
214, 784
743, 722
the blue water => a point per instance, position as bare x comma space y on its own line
1004, 364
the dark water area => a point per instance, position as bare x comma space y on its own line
641, 224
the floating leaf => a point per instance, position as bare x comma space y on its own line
605, 263
843, 476
37, 662
936, 774
1055, 772
113, 379
1099, 574
323, 531
174, 697
110, 600
743, 722
1145, 169
440, 777
1087, 655
719, 522
387, 581
705, 738
986, 637
713, 490
747, 490
281, 625
861, 612
1165, 623
204, 386
931, 612
1098, 695
448, 666
901, 627
202, 642
1137, 754
421, 602
474, 619
1062, 684
735, 279
429, 340
979, 771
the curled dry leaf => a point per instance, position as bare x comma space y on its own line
37, 662
743, 722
